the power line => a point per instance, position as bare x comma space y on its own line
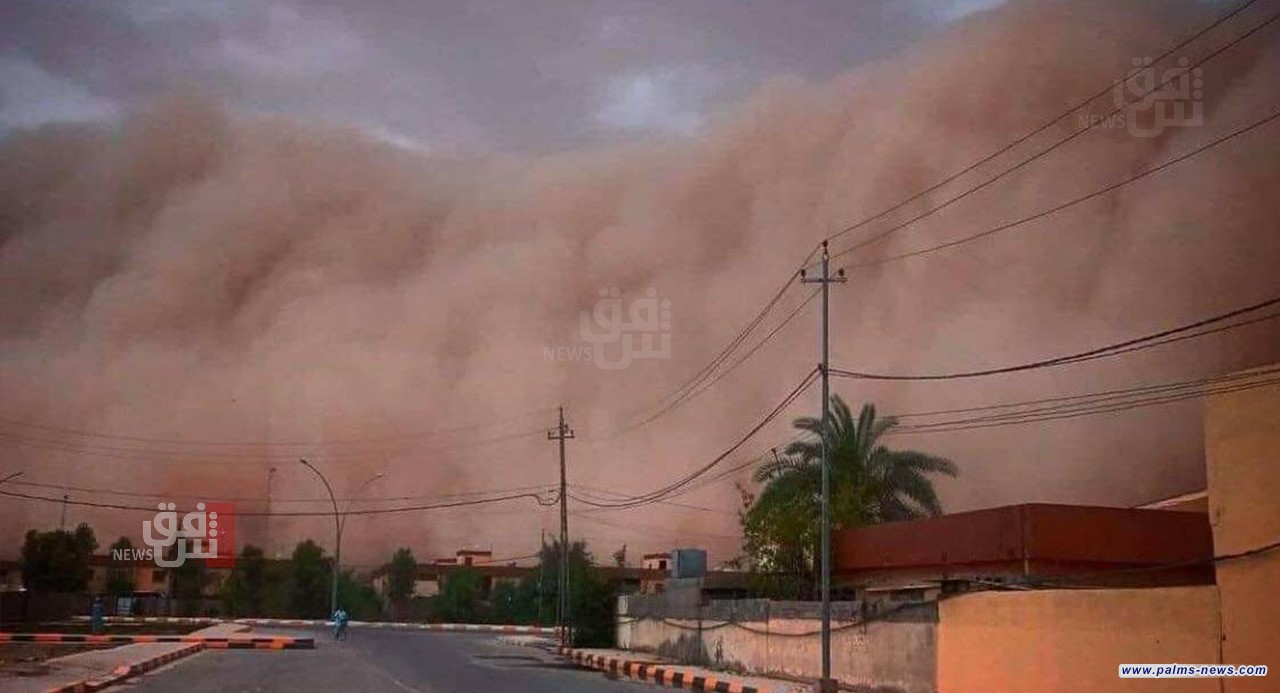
299, 513
1019, 140
244, 499
211, 457
1077, 410
589, 493
1069, 203
310, 444
681, 394
660, 493
750, 462
1148, 341
1105, 394
708, 384
1024, 162
1061, 581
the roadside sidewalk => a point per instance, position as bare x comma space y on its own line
94, 670
659, 672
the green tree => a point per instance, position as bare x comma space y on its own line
459, 599
58, 561
309, 581
278, 600
505, 600
359, 599
517, 603
870, 483
591, 597
402, 573
187, 581
245, 592
120, 576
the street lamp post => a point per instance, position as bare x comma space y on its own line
339, 521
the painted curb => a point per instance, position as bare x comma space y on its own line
126, 671
152, 619
235, 643
655, 674
441, 627
436, 627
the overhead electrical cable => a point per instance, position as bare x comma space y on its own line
1109, 88
1053, 147
309, 445
660, 493
294, 513
1069, 203
1147, 341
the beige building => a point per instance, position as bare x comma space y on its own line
1073, 640
1037, 597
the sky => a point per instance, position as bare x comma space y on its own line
236, 234
490, 75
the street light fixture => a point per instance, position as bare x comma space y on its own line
339, 521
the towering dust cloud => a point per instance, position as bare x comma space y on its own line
268, 290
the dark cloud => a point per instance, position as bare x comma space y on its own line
496, 74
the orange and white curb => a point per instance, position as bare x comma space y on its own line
213, 642
313, 622
657, 674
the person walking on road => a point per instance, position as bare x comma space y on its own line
97, 612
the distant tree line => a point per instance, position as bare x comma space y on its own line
61, 561
528, 601
298, 587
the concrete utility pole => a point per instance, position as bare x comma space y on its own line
62, 522
826, 683
562, 432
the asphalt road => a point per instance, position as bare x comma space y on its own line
371, 660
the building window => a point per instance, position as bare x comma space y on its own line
466, 561
662, 565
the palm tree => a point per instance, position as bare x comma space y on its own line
870, 483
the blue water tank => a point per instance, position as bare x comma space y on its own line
688, 563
